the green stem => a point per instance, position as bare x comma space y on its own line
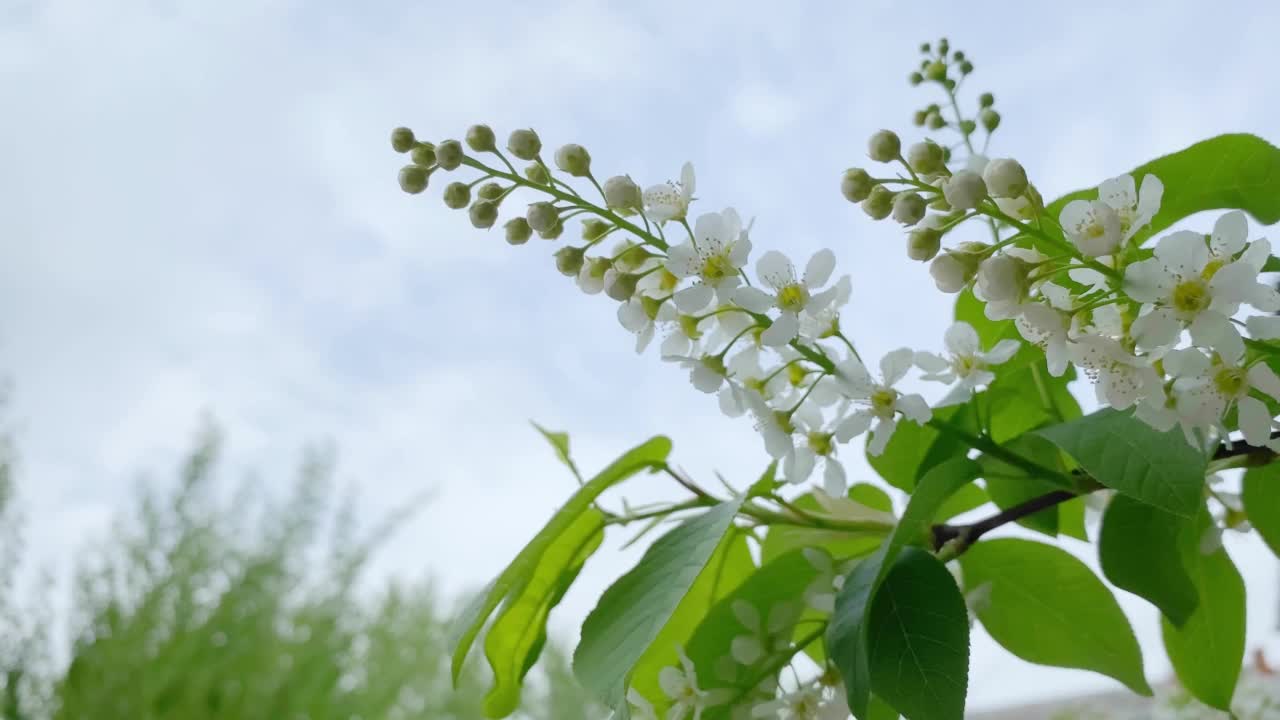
990, 447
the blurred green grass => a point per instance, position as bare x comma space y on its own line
242, 609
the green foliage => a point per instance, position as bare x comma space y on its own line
1047, 607
919, 639
1139, 549
517, 574
1233, 171
1208, 649
560, 443
841, 544
633, 611
1009, 485
1261, 497
1126, 454
915, 449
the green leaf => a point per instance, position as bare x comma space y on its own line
1139, 550
915, 449
767, 483
969, 497
633, 611
1271, 265
1128, 455
1208, 651
728, 567
517, 634
1261, 496
919, 641
560, 442
1009, 486
781, 582
1235, 171
782, 539
513, 578
871, 496
1047, 607
848, 633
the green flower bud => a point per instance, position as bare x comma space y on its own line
915, 78
542, 216
594, 229
484, 213
856, 184
457, 195
569, 260
924, 241
986, 100
990, 119
413, 178
920, 117
937, 71
574, 160
879, 203
946, 156
518, 231
423, 155
524, 144
908, 208
1005, 178
537, 173
949, 84
925, 157
449, 155
958, 55
944, 47
490, 191
925, 47
954, 269
402, 140
935, 121
968, 126
620, 286
964, 190
622, 193
940, 204
884, 146
966, 67
552, 232
630, 256
480, 138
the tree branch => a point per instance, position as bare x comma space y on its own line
966, 535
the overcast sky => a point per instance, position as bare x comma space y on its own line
199, 212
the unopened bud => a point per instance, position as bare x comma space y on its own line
423, 155
413, 178
908, 208
986, 100
594, 229
925, 157
968, 126
542, 216
884, 146
944, 46
937, 71
1002, 278
879, 203
935, 121
964, 190
457, 195
553, 232
449, 155
629, 256
524, 144
484, 213
966, 67
480, 138
924, 240
1005, 178
920, 117
990, 119
518, 231
537, 173
402, 140
574, 159
925, 47
915, 78
490, 191
620, 286
957, 55
569, 260
953, 269
622, 193
856, 184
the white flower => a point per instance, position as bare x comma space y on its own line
1134, 208
1046, 325
1120, 378
641, 709
681, 686
1005, 178
964, 190
819, 447
1018, 208
881, 402
683, 337
791, 296
774, 426
805, 703
1092, 226
714, 256
826, 322
641, 314
1206, 390
821, 593
1004, 280
1186, 289
965, 362
670, 201
763, 638
706, 372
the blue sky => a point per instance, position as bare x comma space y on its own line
200, 214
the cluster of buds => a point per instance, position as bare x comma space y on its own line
948, 69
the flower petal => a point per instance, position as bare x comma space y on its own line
1213, 330
1263, 378
1230, 233
895, 364
693, 298
775, 270
853, 426
1148, 281
1119, 192
818, 271
914, 408
799, 465
931, 363
782, 331
682, 260
1149, 196
1002, 352
753, 299
834, 481
962, 340
880, 437
1263, 327
1234, 282
1255, 421
1187, 362
1158, 328
1183, 253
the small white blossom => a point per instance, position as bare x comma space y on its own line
641, 314
1120, 378
1205, 390
826, 322
1134, 207
669, 200
713, 256
792, 295
764, 637
1046, 325
965, 362
819, 446
880, 402
641, 709
774, 426
680, 684
805, 703
1092, 226
706, 372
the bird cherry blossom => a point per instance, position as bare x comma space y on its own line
680, 685
1120, 378
879, 401
820, 446
1134, 207
1207, 388
791, 296
670, 200
713, 256
1098, 227
966, 364
641, 315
